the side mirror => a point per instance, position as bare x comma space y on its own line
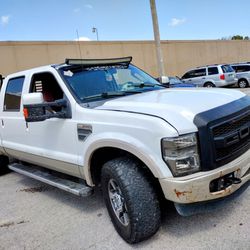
33, 98
36, 110
164, 80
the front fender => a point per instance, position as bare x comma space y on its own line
152, 159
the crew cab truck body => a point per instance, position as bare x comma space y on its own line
88, 122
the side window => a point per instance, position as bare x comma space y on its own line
48, 85
188, 75
247, 67
199, 72
243, 68
12, 98
213, 71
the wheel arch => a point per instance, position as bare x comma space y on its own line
102, 152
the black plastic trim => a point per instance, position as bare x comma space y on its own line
205, 121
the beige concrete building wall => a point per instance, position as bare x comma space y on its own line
179, 56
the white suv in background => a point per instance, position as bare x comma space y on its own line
217, 75
242, 73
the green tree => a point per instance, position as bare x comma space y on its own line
237, 37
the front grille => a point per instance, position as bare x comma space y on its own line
224, 133
231, 126
231, 137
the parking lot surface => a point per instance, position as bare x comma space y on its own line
36, 216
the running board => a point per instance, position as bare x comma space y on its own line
48, 178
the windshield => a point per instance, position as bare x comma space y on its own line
95, 83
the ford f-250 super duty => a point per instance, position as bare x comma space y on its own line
88, 122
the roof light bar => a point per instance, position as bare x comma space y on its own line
99, 62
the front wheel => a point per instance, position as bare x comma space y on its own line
131, 200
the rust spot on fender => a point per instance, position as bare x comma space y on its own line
181, 193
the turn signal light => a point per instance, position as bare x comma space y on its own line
25, 113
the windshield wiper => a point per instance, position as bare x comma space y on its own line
145, 85
104, 95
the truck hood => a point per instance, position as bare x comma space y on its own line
176, 106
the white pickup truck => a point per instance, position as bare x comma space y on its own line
88, 122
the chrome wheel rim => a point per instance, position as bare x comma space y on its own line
118, 202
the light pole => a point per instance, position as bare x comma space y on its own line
160, 61
95, 30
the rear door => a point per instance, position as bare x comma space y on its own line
13, 125
213, 75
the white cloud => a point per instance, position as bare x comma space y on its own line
76, 10
83, 38
177, 21
5, 19
88, 6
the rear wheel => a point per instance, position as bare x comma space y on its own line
4, 161
242, 83
131, 200
209, 85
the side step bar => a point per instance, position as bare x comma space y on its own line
48, 178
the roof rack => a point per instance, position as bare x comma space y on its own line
99, 62
208, 65
240, 63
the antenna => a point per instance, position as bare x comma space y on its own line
80, 52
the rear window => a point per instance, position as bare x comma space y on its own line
213, 71
227, 68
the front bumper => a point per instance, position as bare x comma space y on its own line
196, 187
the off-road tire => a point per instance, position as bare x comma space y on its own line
140, 197
4, 161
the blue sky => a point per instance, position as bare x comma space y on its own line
122, 20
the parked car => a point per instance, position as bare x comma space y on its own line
176, 82
242, 73
87, 122
217, 75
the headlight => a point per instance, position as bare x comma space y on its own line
181, 154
